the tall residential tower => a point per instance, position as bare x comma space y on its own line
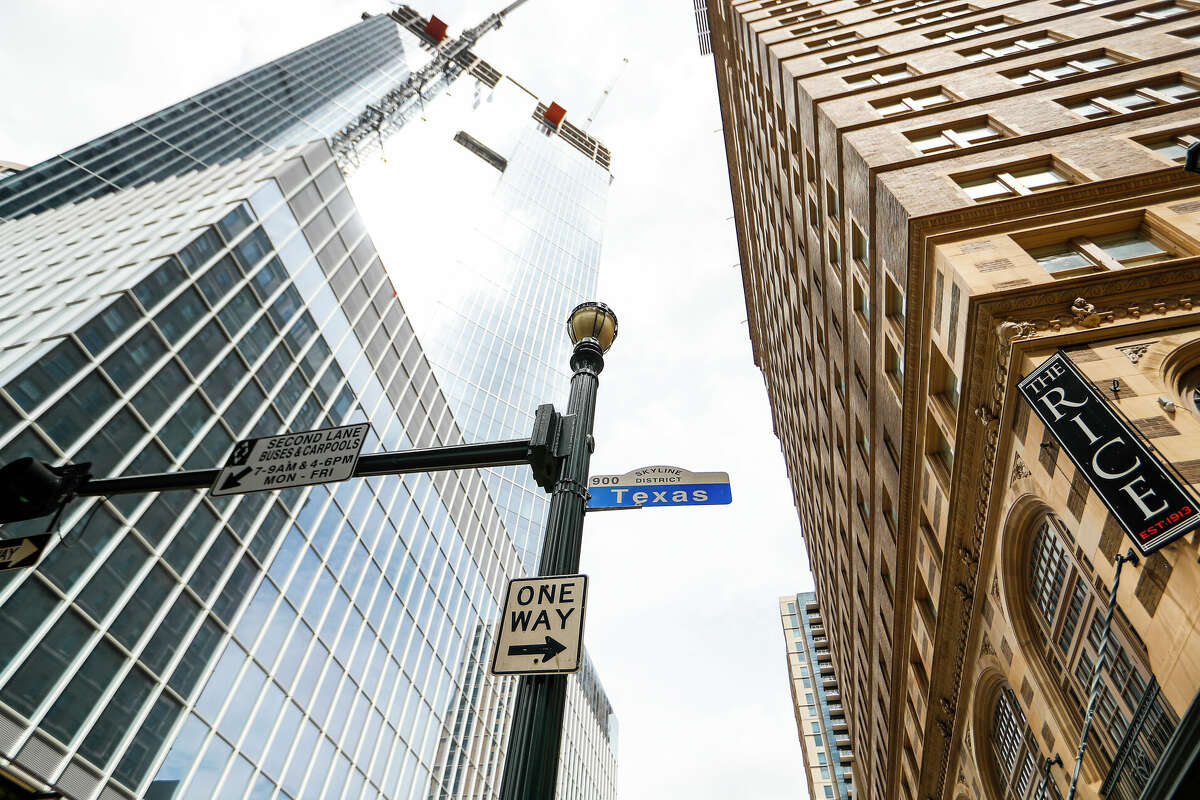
931, 198
820, 716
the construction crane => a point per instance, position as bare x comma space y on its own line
604, 95
451, 56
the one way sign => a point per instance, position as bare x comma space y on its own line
542, 627
18, 553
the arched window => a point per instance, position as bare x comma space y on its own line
1068, 612
1015, 754
1189, 389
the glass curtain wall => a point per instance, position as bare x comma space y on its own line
308, 94
305, 643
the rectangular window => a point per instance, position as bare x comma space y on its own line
972, 29
1159, 92
893, 364
956, 135
1081, 255
858, 243
941, 454
943, 383
832, 41
856, 57
1019, 179
914, 101
831, 201
1030, 41
1172, 147
879, 77
1075, 5
1064, 68
894, 303
1155, 12
936, 16
816, 27
900, 8
862, 303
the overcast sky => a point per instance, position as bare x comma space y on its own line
682, 616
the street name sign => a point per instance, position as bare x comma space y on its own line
291, 459
659, 486
1147, 497
21, 553
542, 627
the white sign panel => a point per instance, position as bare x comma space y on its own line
291, 459
542, 627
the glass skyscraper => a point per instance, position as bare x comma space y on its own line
526, 205
305, 95
320, 642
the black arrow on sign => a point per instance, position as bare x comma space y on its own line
547, 651
235, 479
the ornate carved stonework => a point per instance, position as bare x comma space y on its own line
995, 589
1134, 352
1019, 470
1084, 313
985, 647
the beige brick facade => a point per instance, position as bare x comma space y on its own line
922, 191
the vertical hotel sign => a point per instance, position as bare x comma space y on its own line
1151, 503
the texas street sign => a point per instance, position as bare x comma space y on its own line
19, 553
291, 459
659, 486
542, 627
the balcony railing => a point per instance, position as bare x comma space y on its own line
1144, 742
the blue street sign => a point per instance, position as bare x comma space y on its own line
658, 486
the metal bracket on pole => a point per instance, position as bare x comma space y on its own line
1101, 654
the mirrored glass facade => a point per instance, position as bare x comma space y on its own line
306, 643
323, 642
526, 209
305, 95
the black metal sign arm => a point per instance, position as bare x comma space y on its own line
429, 459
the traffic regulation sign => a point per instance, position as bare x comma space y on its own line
20, 553
659, 486
291, 459
542, 627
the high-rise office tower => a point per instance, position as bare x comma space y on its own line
170, 290
931, 198
509, 237
817, 701
306, 95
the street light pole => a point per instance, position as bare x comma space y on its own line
531, 763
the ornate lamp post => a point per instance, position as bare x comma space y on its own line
531, 764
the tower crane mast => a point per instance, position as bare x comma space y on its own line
450, 58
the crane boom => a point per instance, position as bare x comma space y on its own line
604, 95
451, 57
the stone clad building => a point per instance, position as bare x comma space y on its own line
931, 199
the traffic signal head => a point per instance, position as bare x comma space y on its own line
29, 489
545, 452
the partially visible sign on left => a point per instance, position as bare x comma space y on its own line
23, 552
